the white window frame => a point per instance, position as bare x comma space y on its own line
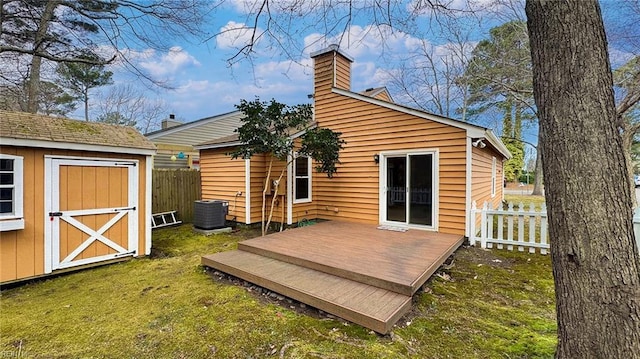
295, 177
493, 176
15, 220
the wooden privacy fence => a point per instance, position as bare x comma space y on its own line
176, 190
511, 227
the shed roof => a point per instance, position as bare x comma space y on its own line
35, 130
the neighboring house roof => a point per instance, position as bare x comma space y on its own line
199, 131
35, 130
375, 92
232, 140
473, 130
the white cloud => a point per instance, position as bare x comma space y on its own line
235, 35
168, 64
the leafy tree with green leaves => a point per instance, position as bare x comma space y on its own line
80, 78
267, 128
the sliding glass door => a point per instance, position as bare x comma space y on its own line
409, 189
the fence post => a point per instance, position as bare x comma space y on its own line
472, 225
483, 226
543, 228
500, 225
532, 228
521, 225
510, 225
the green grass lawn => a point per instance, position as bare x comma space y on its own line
488, 304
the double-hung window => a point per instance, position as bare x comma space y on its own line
11, 190
302, 179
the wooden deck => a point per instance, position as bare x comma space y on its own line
354, 271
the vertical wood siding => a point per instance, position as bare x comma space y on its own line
222, 178
22, 251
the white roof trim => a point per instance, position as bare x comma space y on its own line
75, 146
472, 130
497, 143
189, 125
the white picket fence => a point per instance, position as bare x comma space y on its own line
518, 221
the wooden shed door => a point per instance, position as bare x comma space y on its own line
92, 211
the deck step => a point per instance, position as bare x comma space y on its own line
317, 263
370, 306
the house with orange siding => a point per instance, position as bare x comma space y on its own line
73, 194
400, 166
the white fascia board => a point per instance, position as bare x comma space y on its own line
75, 146
497, 143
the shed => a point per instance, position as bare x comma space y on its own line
73, 194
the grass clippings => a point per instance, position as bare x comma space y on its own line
485, 304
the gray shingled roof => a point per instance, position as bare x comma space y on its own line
28, 126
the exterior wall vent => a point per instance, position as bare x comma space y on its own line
210, 214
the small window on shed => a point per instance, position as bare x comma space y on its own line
11, 190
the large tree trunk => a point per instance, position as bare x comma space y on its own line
596, 265
33, 86
537, 182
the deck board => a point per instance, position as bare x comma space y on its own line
354, 271
369, 306
396, 261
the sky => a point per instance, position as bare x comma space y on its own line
206, 84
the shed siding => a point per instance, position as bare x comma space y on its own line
352, 194
22, 251
222, 178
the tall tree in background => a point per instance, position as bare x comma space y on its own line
34, 33
79, 78
499, 79
116, 118
125, 102
53, 100
595, 258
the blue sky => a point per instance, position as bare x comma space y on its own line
205, 84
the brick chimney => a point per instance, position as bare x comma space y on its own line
332, 68
170, 122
